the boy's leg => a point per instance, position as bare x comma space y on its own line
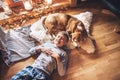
24, 74
39, 75
29, 73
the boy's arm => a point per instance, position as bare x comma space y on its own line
35, 50
61, 63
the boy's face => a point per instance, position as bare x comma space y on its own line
60, 40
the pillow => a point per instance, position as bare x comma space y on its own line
38, 32
86, 18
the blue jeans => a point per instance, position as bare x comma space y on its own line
30, 73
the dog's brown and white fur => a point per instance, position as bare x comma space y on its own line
63, 22
56, 22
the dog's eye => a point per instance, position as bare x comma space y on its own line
74, 39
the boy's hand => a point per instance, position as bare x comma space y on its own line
49, 52
54, 55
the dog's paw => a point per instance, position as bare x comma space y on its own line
88, 46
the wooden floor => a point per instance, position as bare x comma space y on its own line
103, 65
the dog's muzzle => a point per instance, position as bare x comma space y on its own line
75, 44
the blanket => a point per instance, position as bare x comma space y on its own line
16, 44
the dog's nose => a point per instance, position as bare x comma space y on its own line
76, 47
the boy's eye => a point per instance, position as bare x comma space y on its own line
61, 38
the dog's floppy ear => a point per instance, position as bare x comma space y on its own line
69, 32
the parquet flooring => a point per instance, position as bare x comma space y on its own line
103, 65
